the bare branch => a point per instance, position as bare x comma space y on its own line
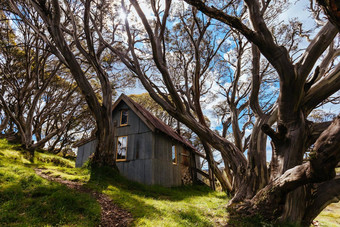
322, 89
319, 44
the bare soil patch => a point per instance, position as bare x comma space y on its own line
111, 214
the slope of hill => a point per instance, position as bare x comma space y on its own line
27, 199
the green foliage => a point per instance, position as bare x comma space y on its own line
147, 102
337, 170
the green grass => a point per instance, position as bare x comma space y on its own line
159, 206
154, 205
330, 216
337, 170
29, 200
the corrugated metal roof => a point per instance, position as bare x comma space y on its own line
157, 123
151, 120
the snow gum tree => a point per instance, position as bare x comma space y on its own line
29, 72
299, 187
290, 188
177, 49
68, 30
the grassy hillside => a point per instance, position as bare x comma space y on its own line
29, 200
26, 199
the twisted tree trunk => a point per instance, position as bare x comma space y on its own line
52, 15
105, 155
297, 196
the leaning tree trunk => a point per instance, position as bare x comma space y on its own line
321, 196
257, 173
225, 184
4, 123
26, 141
101, 110
105, 155
303, 190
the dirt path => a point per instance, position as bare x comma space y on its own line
111, 214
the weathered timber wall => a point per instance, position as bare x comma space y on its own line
166, 173
149, 154
84, 152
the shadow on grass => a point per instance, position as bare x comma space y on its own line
103, 177
256, 221
152, 205
187, 217
28, 200
34, 202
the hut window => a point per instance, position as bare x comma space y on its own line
121, 148
123, 117
174, 154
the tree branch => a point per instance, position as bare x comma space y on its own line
255, 82
158, 57
277, 56
322, 90
277, 137
315, 131
326, 193
320, 168
319, 44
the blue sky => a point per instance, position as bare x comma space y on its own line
297, 9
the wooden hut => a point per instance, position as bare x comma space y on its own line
147, 150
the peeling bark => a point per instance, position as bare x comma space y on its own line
287, 196
279, 194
